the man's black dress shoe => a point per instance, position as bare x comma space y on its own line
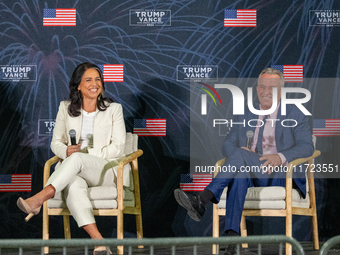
191, 202
231, 250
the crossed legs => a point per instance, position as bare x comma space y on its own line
74, 176
237, 181
238, 184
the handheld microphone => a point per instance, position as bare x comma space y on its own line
72, 134
250, 135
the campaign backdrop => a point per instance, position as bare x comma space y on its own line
150, 52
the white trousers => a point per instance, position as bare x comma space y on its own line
74, 176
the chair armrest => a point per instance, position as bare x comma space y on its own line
47, 168
289, 175
299, 161
127, 159
122, 162
218, 165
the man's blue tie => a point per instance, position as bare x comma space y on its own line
260, 137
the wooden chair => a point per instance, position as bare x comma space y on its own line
288, 202
122, 204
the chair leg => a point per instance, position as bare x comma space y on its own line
139, 226
243, 229
314, 217
315, 231
289, 231
120, 231
45, 226
216, 229
67, 229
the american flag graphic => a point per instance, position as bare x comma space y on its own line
326, 127
292, 73
195, 182
112, 73
15, 182
240, 18
59, 17
149, 127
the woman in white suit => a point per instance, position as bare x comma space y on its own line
100, 136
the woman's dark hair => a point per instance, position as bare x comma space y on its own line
75, 95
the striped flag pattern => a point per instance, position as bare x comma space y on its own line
292, 73
15, 182
149, 127
326, 127
195, 182
59, 17
112, 73
240, 18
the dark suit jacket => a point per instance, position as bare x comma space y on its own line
292, 142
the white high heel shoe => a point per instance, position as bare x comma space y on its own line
101, 250
23, 206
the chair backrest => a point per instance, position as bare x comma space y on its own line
131, 146
131, 143
306, 173
314, 141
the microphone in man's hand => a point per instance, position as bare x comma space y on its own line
250, 135
72, 134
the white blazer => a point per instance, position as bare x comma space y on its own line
108, 135
108, 132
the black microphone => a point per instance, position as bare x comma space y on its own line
250, 135
72, 134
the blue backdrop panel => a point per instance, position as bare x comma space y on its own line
190, 34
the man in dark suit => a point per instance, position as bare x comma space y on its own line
274, 145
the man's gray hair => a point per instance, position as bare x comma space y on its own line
274, 71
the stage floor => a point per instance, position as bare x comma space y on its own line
252, 250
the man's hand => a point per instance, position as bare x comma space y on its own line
272, 160
71, 149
